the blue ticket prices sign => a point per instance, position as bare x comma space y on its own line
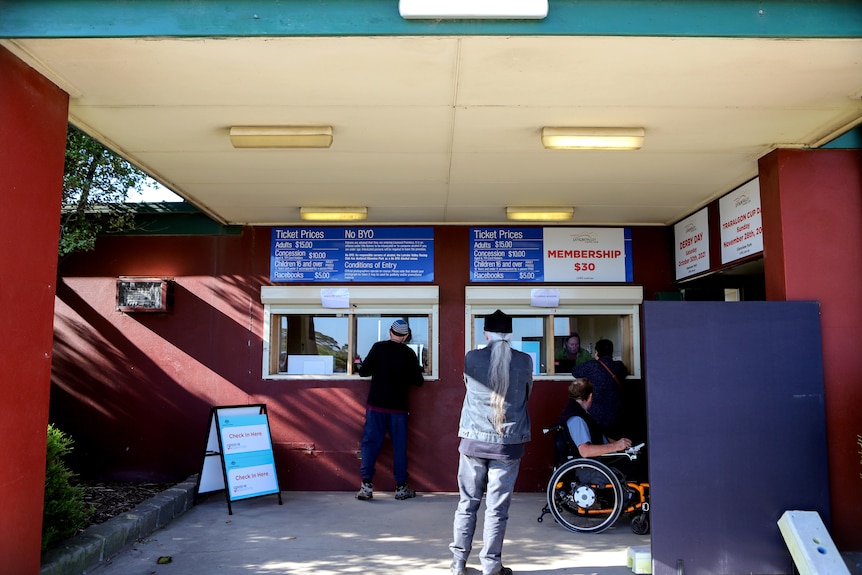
550, 255
506, 255
352, 254
248, 458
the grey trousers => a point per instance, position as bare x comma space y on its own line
496, 478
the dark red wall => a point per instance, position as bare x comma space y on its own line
135, 389
33, 115
812, 220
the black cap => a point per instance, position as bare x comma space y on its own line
498, 322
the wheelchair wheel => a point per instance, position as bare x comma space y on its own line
585, 495
640, 524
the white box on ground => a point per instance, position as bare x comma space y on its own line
639, 559
810, 545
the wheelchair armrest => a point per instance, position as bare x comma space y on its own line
554, 429
630, 452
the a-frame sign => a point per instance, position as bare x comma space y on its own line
238, 456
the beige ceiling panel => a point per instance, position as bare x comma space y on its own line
261, 71
206, 128
448, 128
679, 72
299, 166
324, 195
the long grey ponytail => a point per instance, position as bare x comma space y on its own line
498, 375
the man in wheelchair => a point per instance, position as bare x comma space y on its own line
590, 487
581, 435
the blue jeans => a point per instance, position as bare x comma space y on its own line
377, 424
476, 476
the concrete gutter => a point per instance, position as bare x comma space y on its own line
98, 543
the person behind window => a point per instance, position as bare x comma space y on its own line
586, 435
494, 427
393, 368
572, 351
607, 376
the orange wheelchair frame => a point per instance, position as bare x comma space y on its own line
589, 495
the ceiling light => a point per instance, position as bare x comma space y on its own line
281, 136
540, 214
593, 138
333, 214
473, 9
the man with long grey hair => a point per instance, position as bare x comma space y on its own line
494, 428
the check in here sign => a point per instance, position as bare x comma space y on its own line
248, 458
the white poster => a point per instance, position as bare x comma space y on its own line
585, 255
741, 222
691, 237
241, 439
251, 481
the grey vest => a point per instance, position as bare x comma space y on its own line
477, 414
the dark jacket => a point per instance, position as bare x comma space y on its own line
607, 391
393, 368
564, 445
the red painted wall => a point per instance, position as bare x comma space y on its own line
136, 389
812, 221
33, 117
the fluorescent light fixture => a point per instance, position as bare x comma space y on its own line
281, 136
473, 9
333, 214
593, 138
540, 214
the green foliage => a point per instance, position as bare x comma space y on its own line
96, 183
64, 509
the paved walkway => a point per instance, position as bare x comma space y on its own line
333, 533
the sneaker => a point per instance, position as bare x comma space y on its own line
366, 491
404, 492
504, 571
458, 568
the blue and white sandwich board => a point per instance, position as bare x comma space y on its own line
239, 457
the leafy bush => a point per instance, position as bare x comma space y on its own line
64, 509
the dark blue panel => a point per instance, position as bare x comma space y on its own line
737, 431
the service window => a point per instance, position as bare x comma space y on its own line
304, 339
609, 312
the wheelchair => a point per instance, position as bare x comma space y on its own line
589, 495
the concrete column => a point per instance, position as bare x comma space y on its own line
33, 120
812, 240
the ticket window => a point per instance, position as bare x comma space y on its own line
605, 313
304, 339
318, 344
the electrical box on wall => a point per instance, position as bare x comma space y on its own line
140, 294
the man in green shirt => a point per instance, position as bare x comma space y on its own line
572, 351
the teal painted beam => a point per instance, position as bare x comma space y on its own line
250, 18
851, 140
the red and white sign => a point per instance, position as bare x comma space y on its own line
585, 255
741, 222
691, 237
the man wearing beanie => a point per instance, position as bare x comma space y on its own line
493, 429
393, 368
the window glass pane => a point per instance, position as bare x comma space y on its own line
373, 328
312, 344
590, 329
528, 335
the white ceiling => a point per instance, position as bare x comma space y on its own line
447, 129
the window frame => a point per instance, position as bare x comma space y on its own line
363, 300
573, 301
